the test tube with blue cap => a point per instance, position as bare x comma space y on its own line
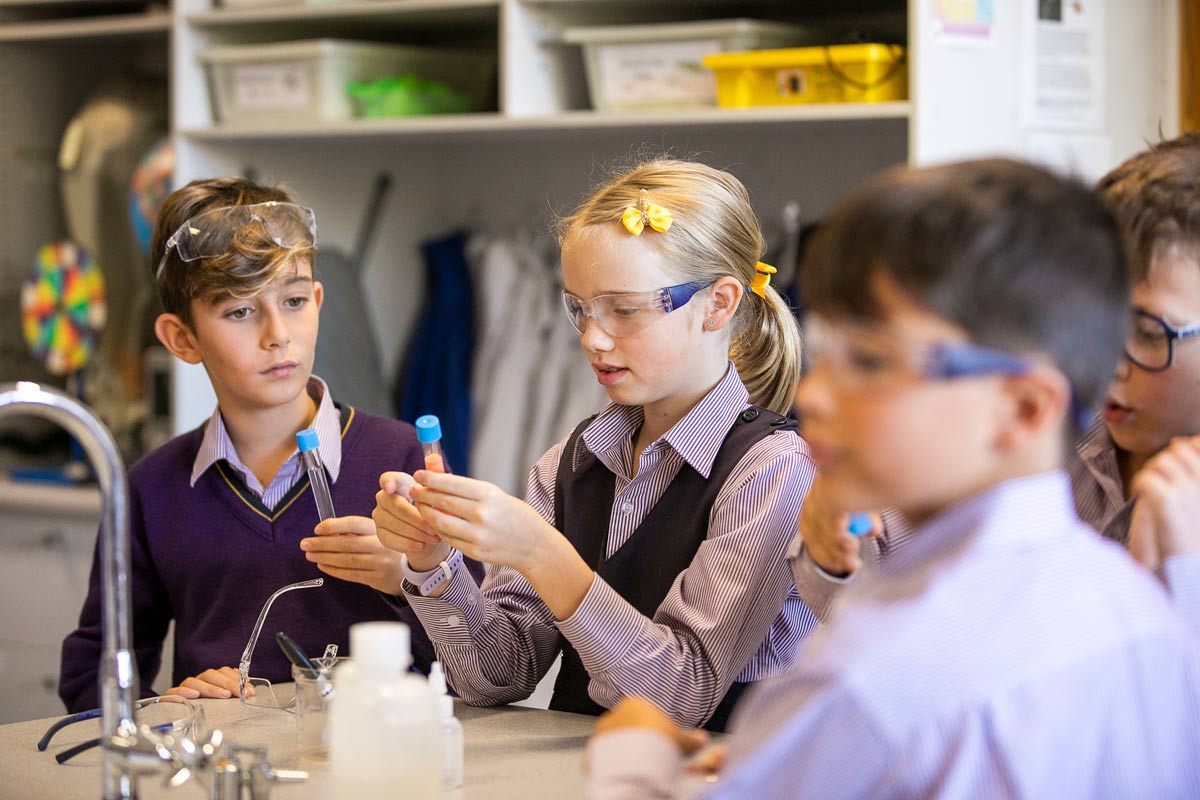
429, 434
860, 524
308, 441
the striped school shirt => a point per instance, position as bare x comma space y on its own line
217, 446
731, 615
1005, 651
1097, 485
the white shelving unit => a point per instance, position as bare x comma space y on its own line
540, 150
116, 26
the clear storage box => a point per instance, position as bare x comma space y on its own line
660, 65
305, 81
845, 73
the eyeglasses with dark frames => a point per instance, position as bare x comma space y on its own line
1151, 341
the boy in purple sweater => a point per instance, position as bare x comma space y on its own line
222, 516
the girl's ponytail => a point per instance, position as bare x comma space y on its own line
766, 350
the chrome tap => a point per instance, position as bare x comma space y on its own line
131, 750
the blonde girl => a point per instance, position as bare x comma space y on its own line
650, 547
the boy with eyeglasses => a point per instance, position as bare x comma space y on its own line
1136, 473
220, 515
961, 313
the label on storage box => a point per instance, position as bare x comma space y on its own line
259, 86
667, 73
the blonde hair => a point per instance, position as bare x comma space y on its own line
714, 233
251, 264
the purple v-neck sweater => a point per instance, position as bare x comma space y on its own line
209, 556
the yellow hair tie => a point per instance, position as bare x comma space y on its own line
761, 279
657, 217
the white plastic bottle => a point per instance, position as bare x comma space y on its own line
452, 731
384, 721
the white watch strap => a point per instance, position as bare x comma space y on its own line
426, 582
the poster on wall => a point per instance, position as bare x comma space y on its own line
964, 23
1062, 63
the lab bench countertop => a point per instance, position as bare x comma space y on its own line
510, 752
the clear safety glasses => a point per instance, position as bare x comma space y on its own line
209, 235
860, 357
627, 313
168, 714
261, 693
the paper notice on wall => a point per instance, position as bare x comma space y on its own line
964, 23
1062, 63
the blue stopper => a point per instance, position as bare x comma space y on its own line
429, 429
860, 523
307, 439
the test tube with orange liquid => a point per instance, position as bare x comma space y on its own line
429, 434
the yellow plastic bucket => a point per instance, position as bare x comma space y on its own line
842, 73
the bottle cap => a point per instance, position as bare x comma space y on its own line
307, 439
381, 644
429, 429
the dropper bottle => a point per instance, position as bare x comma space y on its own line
452, 731
429, 434
308, 441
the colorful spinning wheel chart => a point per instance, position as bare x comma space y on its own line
63, 308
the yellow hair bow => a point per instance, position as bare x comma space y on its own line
761, 279
657, 217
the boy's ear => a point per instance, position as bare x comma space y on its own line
1040, 400
318, 293
177, 337
723, 299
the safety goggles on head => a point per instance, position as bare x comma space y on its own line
627, 313
209, 235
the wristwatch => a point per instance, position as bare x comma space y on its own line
426, 582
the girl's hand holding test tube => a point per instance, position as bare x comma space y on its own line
426, 514
487, 524
400, 525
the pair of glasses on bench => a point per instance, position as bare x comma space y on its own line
166, 714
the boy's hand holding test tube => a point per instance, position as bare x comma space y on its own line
346, 548
833, 538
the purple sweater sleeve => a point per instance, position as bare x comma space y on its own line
78, 683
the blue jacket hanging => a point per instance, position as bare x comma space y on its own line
437, 376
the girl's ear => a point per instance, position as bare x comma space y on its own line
723, 299
177, 337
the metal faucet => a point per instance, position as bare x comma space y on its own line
131, 750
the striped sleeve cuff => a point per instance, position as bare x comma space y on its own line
449, 619
604, 627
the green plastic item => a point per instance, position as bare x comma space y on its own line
405, 96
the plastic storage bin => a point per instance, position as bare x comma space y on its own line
660, 65
305, 81
843, 73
